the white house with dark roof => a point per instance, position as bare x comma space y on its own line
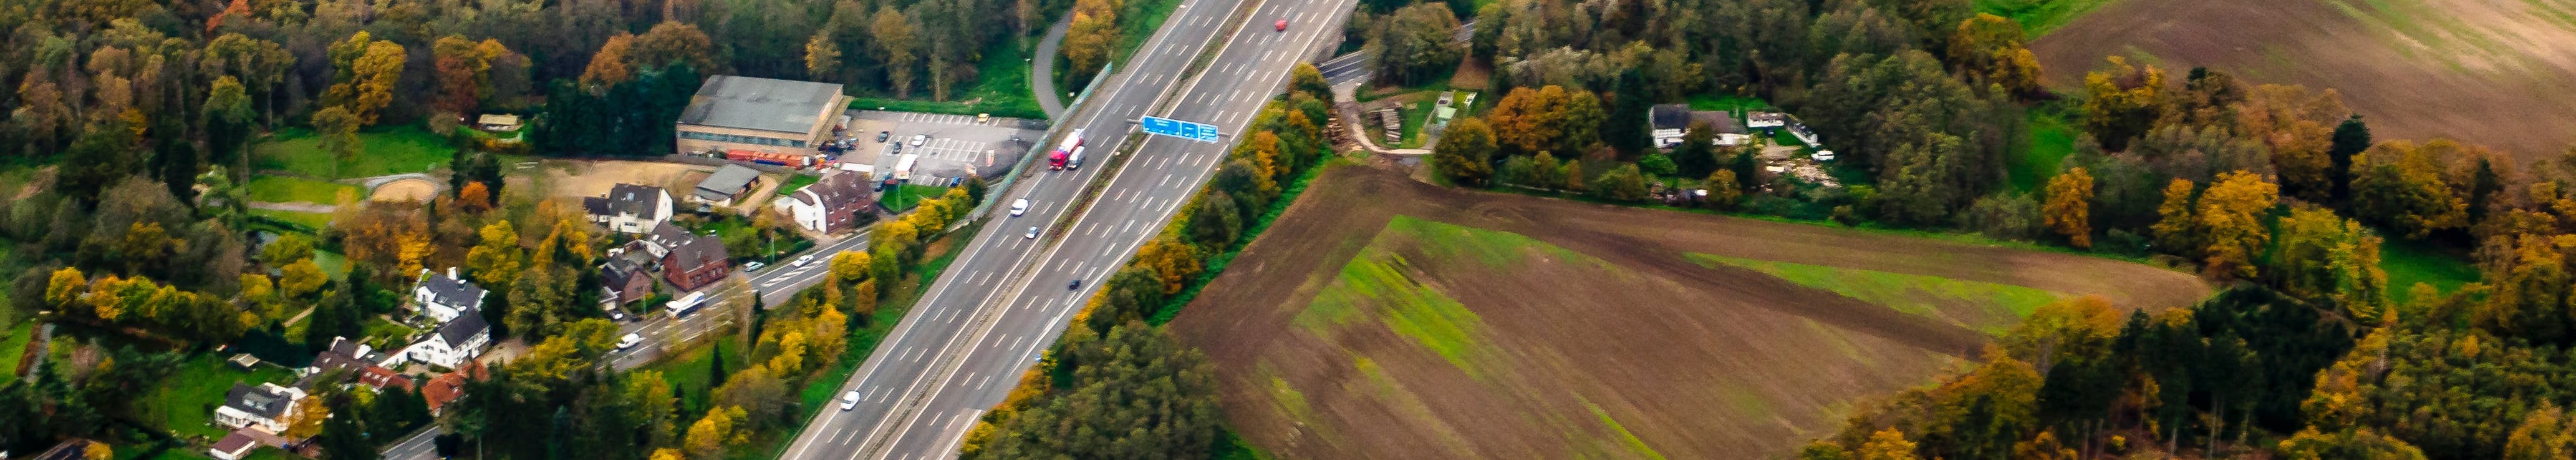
630, 208
830, 205
442, 298
266, 408
459, 340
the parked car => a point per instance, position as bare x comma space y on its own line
1019, 207
917, 139
982, 118
629, 341
801, 261
881, 135
752, 267
850, 399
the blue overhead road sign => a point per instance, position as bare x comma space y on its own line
1201, 132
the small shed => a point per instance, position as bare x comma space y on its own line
498, 122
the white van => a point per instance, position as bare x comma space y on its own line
1076, 162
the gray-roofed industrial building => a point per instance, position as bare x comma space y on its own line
759, 114
726, 184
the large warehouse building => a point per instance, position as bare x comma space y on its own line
733, 113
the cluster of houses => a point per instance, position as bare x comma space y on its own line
259, 414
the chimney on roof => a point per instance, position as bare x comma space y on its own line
451, 273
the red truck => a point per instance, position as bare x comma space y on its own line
1064, 151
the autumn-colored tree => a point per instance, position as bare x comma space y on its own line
898, 45
673, 42
496, 259
307, 419
2122, 101
1173, 261
2298, 126
370, 78
2399, 186
608, 66
2544, 434
1466, 152
2177, 231
1722, 189
1092, 37
709, 436
1995, 47
2230, 219
2067, 212
2353, 444
667, 454
300, 280
1528, 120
823, 57
1887, 444
464, 70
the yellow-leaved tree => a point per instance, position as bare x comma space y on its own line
2067, 211
2230, 218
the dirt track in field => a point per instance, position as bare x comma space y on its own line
2496, 72
1654, 353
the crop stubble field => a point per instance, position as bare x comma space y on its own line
2497, 72
1385, 318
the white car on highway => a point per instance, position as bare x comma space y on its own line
629, 341
1019, 207
850, 399
801, 261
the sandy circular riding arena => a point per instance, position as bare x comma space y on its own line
405, 190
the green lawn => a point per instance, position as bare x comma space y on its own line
797, 182
185, 404
689, 371
1729, 103
13, 345
2039, 17
1001, 88
907, 195
332, 264
388, 150
2410, 262
289, 189
310, 219
2050, 139
1416, 116
384, 334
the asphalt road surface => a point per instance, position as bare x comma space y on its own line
1005, 301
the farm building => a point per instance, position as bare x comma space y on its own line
732, 113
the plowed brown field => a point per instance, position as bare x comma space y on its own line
2495, 72
1385, 318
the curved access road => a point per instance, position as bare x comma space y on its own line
1042, 69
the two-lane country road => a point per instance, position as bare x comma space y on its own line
962, 349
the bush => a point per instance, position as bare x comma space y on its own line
2005, 217
1658, 164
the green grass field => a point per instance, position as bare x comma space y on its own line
289, 189
2051, 137
388, 150
1001, 88
2410, 262
1727, 103
906, 195
2039, 17
1919, 295
13, 345
797, 182
185, 404
311, 219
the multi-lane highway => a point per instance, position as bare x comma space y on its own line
1006, 300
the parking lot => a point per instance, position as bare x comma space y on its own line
952, 144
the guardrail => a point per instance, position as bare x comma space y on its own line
1043, 142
